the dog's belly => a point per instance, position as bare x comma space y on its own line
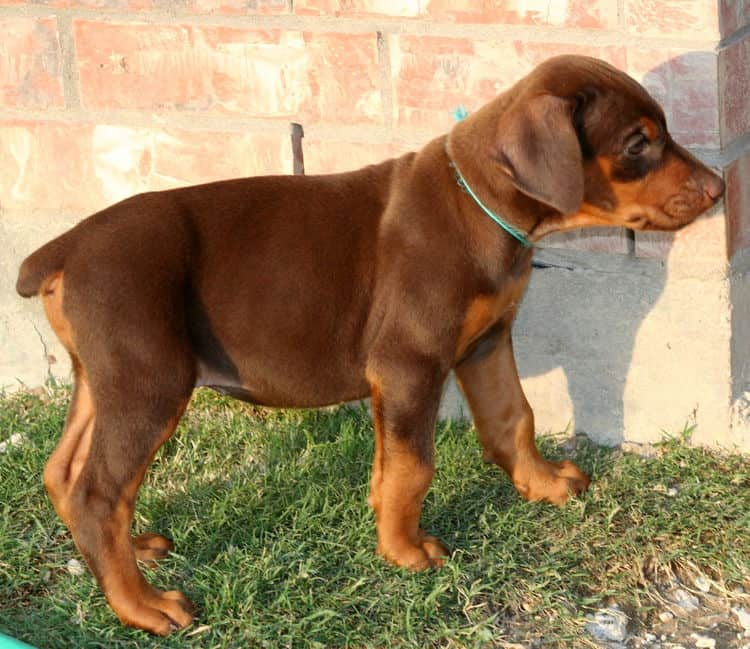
284, 390
223, 382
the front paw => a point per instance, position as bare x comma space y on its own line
552, 482
427, 552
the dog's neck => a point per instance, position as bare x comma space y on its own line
469, 147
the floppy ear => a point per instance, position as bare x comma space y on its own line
538, 148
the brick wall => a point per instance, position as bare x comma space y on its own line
734, 74
100, 99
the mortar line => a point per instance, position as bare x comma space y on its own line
364, 133
384, 24
386, 80
621, 21
734, 37
374, 133
736, 149
69, 67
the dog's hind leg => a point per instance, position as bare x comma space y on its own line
130, 393
101, 505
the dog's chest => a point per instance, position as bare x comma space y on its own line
490, 311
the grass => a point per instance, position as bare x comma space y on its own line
275, 542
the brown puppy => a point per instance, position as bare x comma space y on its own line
307, 291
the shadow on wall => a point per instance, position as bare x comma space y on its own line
593, 353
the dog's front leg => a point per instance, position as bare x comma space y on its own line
405, 401
505, 424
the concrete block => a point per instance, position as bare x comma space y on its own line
31, 353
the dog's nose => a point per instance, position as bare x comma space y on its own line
713, 186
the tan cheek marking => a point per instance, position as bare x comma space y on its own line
605, 165
652, 130
626, 194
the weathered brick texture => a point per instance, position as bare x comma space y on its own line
682, 18
248, 73
30, 63
73, 168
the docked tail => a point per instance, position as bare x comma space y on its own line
39, 265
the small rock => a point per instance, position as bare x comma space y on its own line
703, 642
646, 451
75, 568
609, 624
16, 439
684, 600
666, 616
702, 583
743, 616
672, 492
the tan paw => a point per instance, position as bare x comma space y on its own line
552, 482
155, 611
427, 552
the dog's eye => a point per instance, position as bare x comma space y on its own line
637, 145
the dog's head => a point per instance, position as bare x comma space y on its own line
587, 140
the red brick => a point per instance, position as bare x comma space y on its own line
685, 83
181, 157
30, 63
733, 15
400, 8
737, 202
595, 14
734, 70
280, 74
650, 67
694, 18
433, 75
47, 166
82, 168
328, 156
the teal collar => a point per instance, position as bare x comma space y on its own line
517, 234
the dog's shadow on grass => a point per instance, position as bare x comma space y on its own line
307, 492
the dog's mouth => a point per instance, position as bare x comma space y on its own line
679, 211
637, 221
